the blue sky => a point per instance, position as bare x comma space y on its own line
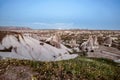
65, 14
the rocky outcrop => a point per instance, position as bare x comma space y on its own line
73, 43
108, 41
25, 47
90, 45
54, 41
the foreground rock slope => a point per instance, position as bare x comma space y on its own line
25, 47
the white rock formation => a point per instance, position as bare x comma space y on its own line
108, 41
95, 42
90, 44
25, 47
117, 61
55, 40
73, 43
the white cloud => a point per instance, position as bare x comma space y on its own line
55, 25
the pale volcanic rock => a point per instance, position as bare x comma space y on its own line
25, 47
90, 44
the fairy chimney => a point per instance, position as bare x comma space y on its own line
90, 45
108, 41
54, 40
73, 43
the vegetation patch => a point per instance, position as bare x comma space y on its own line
80, 68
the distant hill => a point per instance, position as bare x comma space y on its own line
14, 28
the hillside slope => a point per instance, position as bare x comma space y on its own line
80, 68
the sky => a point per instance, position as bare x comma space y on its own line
61, 14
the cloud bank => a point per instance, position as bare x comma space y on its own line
54, 25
